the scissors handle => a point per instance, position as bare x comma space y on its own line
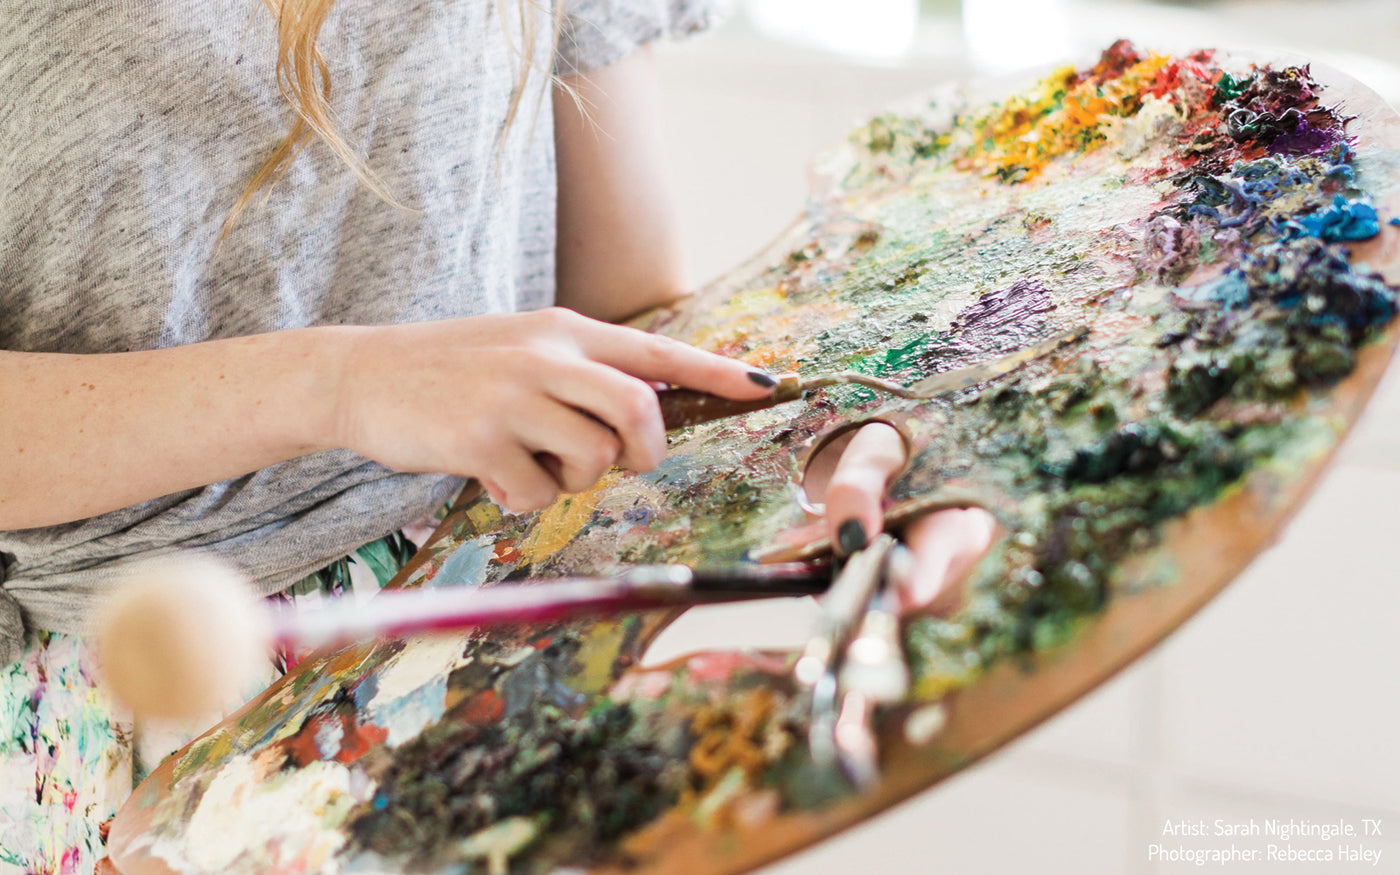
681, 408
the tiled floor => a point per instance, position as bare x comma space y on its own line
1280, 699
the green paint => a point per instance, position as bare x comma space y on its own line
585, 779
1230, 88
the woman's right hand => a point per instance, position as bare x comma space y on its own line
530, 404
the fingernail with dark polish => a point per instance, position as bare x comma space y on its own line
765, 380
850, 537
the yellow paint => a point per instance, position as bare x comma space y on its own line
780, 340
499, 842
599, 655
559, 523
753, 303
213, 748
484, 516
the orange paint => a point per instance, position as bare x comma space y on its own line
1063, 114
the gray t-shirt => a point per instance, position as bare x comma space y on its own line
128, 131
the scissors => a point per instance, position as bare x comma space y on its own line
854, 661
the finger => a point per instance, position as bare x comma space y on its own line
624, 404
945, 545
654, 358
855, 493
518, 483
577, 448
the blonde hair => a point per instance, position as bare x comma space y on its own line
303, 77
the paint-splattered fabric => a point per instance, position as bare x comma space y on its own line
70, 756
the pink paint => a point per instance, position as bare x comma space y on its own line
641, 685
719, 667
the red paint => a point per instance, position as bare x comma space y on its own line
483, 708
1114, 62
1169, 77
355, 740
358, 743
302, 748
506, 551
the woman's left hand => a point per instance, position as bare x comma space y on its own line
945, 543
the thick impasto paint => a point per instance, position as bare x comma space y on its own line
1191, 213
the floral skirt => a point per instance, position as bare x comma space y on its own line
69, 756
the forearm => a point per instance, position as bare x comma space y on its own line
85, 434
619, 246
484, 396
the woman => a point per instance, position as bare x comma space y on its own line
271, 286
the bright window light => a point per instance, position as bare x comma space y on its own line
1007, 35
877, 30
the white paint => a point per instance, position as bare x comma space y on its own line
1135, 134
411, 691
259, 822
423, 659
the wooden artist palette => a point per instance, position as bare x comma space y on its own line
1189, 212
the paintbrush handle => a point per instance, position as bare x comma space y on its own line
681, 408
393, 613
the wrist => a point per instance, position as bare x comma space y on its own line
320, 365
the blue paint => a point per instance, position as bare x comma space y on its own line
1234, 200
405, 717
1344, 221
365, 690
466, 566
1229, 292
1316, 281
676, 472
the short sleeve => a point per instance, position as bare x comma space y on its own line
596, 33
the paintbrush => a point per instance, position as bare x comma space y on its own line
182, 634
398, 612
681, 408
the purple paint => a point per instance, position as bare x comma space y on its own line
1002, 320
1306, 139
